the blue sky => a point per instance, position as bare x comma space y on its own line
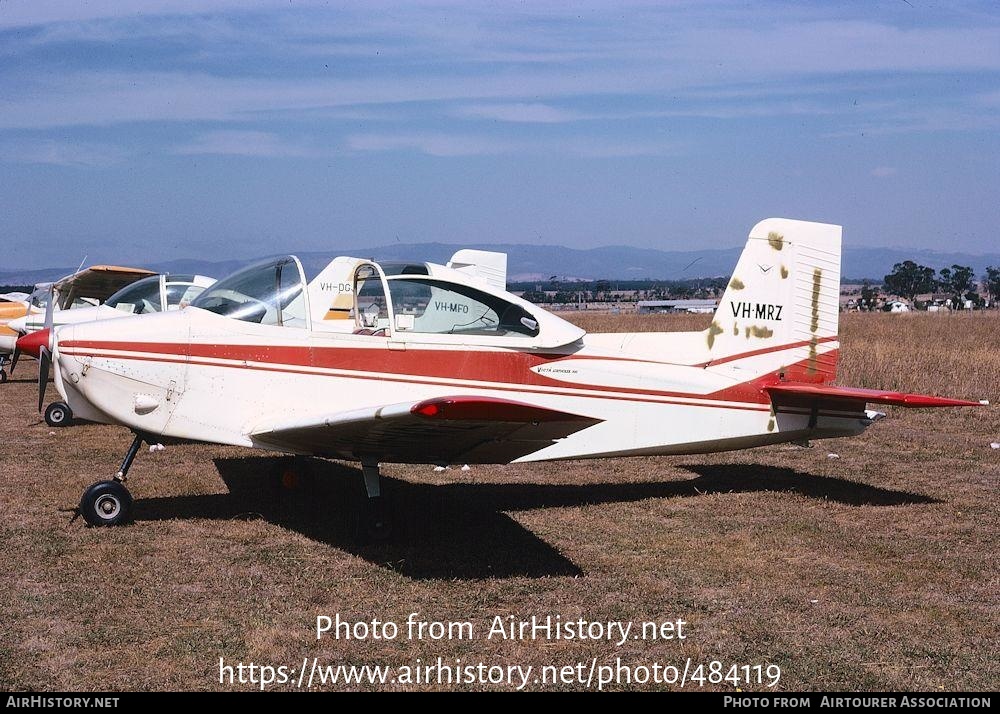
137, 132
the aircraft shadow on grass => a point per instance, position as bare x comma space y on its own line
463, 530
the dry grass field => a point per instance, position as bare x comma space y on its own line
876, 570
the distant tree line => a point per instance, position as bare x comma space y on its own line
957, 283
571, 291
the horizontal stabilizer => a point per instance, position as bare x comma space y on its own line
489, 266
874, 396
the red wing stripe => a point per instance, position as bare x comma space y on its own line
491, 409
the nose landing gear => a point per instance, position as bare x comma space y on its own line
58, 414
109, 503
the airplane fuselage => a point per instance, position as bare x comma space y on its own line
225, 380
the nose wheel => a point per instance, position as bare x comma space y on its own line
109, 503
58, 414
3, 376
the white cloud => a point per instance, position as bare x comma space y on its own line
802, 48
431, 144
28, 13
883, 171
245, 143
924, 120
991, 99
605, 149
238, 61
520, 113
114, 97
439, 144
108, 98
61, 153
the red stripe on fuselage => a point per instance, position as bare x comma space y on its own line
506, 368
436, 382
765, 350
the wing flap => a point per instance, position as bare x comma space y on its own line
441, 430
858, 394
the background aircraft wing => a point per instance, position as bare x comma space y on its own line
98, 282
442, 430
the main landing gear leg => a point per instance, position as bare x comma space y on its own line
375, 522
108, 503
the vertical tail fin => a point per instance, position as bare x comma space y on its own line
780, 309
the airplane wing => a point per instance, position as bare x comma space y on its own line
812, 392
98, 282
443, 430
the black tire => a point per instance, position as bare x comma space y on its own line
376, 521
3, 376
106, 503
58, 414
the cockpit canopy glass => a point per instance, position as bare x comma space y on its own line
143, 296
140, 298
436, 306
180, 294
268, 294
39, 298
64, 301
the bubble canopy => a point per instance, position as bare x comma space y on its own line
144, 296
268, 293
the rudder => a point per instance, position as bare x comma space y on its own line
781, 306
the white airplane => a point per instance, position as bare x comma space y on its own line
142, 297
12, 306
424, 363
82, 289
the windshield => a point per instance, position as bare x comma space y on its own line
139, 298
39, 298
268, 294
181, 294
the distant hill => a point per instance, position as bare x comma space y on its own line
537, 262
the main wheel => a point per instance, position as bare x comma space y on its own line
58, 414
106, 503
3, 376
376, 521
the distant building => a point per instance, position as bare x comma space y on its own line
645, 307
